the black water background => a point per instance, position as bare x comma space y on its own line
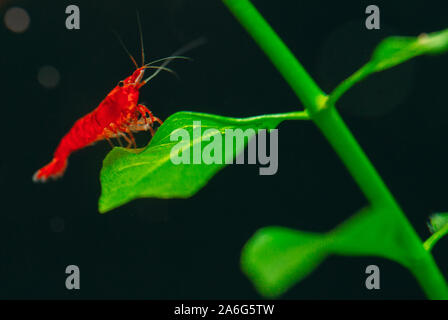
190, 248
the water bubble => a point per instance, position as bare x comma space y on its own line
48, 76
17, 19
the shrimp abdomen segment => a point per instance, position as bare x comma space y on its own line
84, 132
54, 169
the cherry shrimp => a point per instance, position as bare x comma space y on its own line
118, 115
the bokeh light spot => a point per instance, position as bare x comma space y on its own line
17, 19
48, 76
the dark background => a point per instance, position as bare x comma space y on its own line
188, 249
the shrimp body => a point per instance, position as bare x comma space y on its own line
117, 115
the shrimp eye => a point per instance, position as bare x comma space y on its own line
121, 83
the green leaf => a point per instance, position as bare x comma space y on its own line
359, 236
391, 52
276, 258
395, 50
437, 221
438, 225
130, 174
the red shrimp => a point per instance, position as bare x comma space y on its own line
118, 115
112, 118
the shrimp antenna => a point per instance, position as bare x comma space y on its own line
162, 68
125, 49
187, 47
141, 38
167, 58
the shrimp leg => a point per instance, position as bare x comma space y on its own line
132, 139
119, 141
110, 143
128, 136
125, 137
114, 132
144, 110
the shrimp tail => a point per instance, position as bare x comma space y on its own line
55, 169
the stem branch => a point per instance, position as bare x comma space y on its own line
328, 120
432, 240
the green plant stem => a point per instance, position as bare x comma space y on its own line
348, 83
422, 264
432, 240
